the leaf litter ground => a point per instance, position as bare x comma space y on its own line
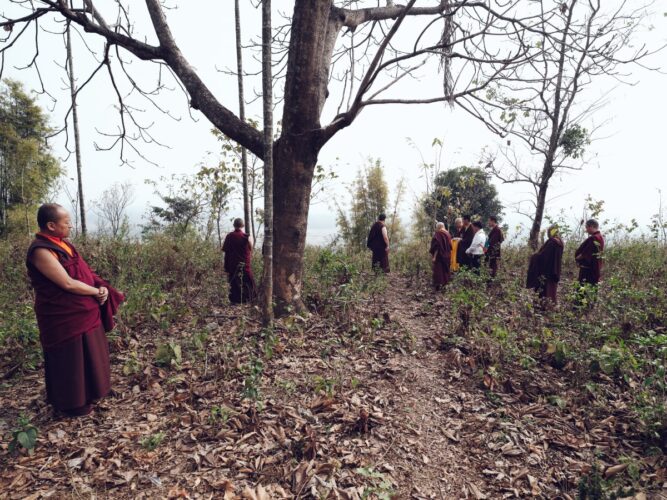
388, 415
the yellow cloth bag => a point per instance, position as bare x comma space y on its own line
454, 265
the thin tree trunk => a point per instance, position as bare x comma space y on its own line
244, 154
267, 82
75, 122
539, 215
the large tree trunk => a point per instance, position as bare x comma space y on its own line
295, 160
244, 154
313, 36
540, 203
75, 123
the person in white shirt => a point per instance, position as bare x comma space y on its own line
476, 249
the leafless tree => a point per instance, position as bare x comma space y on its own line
75, 125
111, 207
247, 213
267, 101
546, 106
353, 47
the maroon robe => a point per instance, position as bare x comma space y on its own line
238, 257
441, 249
589, 259
545, 269
378, 246
466, 240
493, 253
72, 332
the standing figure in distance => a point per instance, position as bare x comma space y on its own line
467, 234
496, 238
545, 268
441, 250
589, 255
238, 255
378, 243
74, 308
457, 232
476, 248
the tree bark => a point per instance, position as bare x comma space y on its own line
540, 203
315, 28
77, 140
267, 88
244, 154
295, 161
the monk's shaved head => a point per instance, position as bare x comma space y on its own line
238, 223
49, 212
592, 223
440, 225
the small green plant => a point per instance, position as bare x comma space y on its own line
151, 442
132, 365
289, 386
199, 340
220, 415
253, 377
325, 385
24, 436
590, 486
168, 354
381, 488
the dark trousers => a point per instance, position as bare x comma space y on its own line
380, 260
494, 264
241, 287
475, 262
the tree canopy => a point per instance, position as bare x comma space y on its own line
28, 170
462, 191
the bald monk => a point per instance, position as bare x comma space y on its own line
589, 255
545, 268
441, 254
467, 234
74, 307
238, 255
378, 243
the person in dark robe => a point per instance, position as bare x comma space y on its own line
467, 234
441, 250
545, 268
238, 253
378, 243
74, 308
494, 241
589, 255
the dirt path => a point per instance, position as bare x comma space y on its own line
456, 439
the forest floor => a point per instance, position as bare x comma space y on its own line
313, 412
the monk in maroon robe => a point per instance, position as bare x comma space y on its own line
441, 255
545, 269
74, 307
378, 243
238, 257
466, 240
494, 242
589, 255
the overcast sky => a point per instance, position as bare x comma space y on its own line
626, 168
